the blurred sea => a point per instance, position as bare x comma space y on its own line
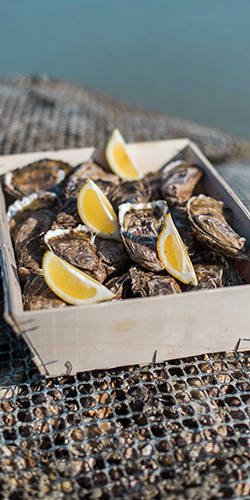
187, 58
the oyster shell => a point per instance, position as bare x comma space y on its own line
77, 247
141, 225
209, 225
179, 216
89, 170
213, 270
178, 180
31, 216
68, 216
146, 284
37, 295
133, 192
113, 255
119, 285
42, 175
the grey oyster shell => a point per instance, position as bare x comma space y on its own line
89, 170
77, 247
208, 218
113, 255
147, 284
179, 216
42, 175
178, 180
37, 294
213, 270
28, 219
119, 285
134, 192
141, 225
68, 216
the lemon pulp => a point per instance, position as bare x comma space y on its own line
62, 277
173, 252
95, 214
123, 161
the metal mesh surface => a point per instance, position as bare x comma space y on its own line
177, 429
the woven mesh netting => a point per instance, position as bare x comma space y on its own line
41, 114
178, 429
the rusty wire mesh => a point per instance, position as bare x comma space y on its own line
178, 429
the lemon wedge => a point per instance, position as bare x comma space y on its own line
96, 212
173, 254
70, 284
119, 159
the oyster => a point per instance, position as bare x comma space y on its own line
145, 284
77, 247
113, 255
37, 295
119, 285
42, 175
208, 219
178, 180
89, 170
141, 225
213, 270
68, 216
31, 216
134, 192
179, 216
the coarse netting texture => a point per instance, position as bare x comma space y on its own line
178, 429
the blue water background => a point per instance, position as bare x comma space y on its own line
186, 57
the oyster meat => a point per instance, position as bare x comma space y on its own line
133, 192
178, 180
42, 175
208, 219
147, 284
141, 225
37, 295
89, 170
77, 247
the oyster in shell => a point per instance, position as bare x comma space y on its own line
89, 170
213, 270
37, 295
119, 285
31, 216
178, 180
179, 216
68, 216
147, 284
133, 192
113, 255
77, 247
42, 175
208, 218
141, 225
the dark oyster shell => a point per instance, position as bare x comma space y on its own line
179, 216
141, 225
178, 180
89, 170
209, 225
68, 216
133, 192
154, 179
42, 175
30, 257
37, 295
146, 284
119, 285
77, 247
113, 255
213, 270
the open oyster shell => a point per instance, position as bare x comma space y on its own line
42, 175
178, 180
89, 170
179, 216
133, 192
120, 286
113, 255
77, 247
147, 284
141, 225
68, 216
37, 294
208, 218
